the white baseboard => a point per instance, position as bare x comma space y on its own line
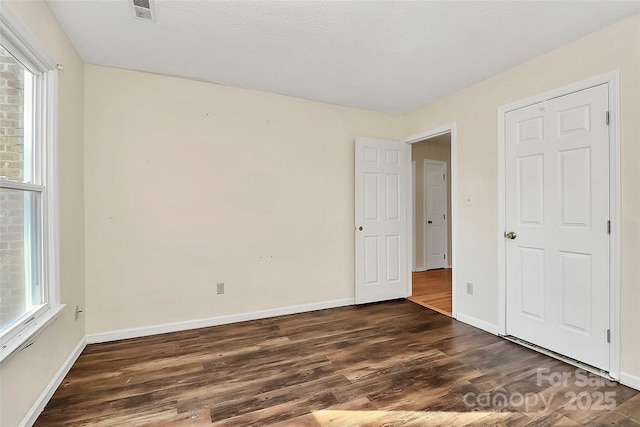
480, 324
629, 380
212, 321
53, 385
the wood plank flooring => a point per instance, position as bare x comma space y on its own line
391, 364
432, 289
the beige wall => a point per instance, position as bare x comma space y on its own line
189, 184
25, 376
474, 110
437, 148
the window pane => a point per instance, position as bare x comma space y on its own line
20, 290
16, 119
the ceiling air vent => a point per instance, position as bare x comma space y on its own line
143, 10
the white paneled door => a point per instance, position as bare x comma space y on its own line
381, 220
557, 212
435, 217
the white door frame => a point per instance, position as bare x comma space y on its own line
413, 219
424, 209
450, 128
612, 80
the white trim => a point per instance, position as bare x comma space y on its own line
477, 323
413, 218
410, 224
502, 280
630, 380
615, 312
51, 232
53, 385
213, 321
615, 286
450, 128
419, 137
453, 215
417, 270
26, 334
23, 186
561, 91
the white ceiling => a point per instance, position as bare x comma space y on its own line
389, 56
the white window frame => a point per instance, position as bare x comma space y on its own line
21, 43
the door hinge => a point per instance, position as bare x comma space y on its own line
443, 177
607, 118
444, 256
609, 226
608, 335
444, 216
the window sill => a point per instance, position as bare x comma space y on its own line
26, 337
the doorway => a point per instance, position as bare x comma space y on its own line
432, 227
384, 211
558, 203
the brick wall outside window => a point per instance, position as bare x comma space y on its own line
12, 293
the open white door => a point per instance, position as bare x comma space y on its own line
381, 220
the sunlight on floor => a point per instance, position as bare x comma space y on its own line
329, 417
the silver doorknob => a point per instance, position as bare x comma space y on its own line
510, 235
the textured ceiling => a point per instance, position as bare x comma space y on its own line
389, 56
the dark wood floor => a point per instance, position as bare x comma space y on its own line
390, 364
432, 289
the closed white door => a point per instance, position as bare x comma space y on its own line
557, 207
381, 220
435, 217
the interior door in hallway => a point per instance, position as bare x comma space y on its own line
557, 212
435, 214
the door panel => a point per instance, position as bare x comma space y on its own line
381, 244
532, 280
531, 192
372, 275
557, 203
392, 197
576, 290
575, 187
371, 196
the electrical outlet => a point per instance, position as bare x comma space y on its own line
220, 290
470, 288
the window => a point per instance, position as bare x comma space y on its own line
28, 230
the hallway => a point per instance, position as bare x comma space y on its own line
432, 289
